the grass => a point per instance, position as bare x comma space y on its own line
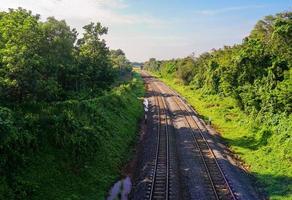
265, 146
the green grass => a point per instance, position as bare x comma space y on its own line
102, 130
264, 143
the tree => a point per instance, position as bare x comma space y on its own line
120, 62
257, 73
58, 53
185, 70
21, 63
94, 64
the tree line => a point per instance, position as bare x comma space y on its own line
61, 99
47, 61
257, 73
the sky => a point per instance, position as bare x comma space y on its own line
162, 29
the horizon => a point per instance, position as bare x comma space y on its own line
154, 29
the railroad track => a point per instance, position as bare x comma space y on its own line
159, 188
219, 184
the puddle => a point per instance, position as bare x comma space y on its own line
121, 189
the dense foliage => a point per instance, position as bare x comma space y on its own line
257, 73
68, 150
44, 61
250, 84
63, 124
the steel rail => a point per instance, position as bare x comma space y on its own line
158, 171
200, 148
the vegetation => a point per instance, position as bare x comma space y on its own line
65, 124
247, 88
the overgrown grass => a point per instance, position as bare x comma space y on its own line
263, 142
77, 147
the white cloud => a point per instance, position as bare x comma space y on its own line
122, 27
117, 4
212, 12
83, 11
139, 34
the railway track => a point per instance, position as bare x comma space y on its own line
218, 182
159, 188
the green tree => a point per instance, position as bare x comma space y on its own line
120, 62
256, 73
95, 68
21, 63
185, 69
58, 52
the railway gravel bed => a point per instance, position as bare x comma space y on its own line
180, 157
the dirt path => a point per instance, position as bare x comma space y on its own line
181, 157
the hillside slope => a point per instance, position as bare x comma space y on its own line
69, 150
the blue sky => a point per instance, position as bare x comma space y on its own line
163, 29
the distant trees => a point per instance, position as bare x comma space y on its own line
119, 61
257, 73
44, 61
152, 64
